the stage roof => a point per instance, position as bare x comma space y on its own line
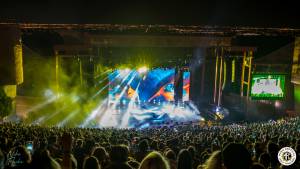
193, 30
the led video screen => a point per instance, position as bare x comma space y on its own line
186, 86
268, 86
139, 99
156, 85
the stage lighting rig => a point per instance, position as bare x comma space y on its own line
143, 69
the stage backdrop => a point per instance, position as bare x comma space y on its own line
145, 98
155, 86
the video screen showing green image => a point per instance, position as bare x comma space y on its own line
267, 86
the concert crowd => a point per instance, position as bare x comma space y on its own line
235, 146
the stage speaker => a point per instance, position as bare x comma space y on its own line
11, 66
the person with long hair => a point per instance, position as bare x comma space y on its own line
214, 161
154, 160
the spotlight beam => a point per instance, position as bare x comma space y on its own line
125, 117
103, 73
108, 119
94, 113
41, 105
70, 116
143, 69
39, 120
124, 79
104, 87
47, 118
101, 81
126, 86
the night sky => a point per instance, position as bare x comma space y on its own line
214, 12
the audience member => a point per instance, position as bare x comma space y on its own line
154, 160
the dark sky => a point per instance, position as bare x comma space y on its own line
269, 13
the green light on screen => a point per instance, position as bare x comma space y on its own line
267, 86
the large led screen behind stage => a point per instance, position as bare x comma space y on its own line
139, 99
156, 85
268, 86
186, 86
